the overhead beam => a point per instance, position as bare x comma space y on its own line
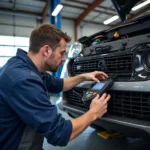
68, 18
73, 6
88, 10
44, 12
81, 7
87, 3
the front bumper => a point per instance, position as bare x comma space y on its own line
122, 123
129, 127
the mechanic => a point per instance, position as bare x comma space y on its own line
26, 114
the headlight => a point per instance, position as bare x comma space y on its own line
74, 50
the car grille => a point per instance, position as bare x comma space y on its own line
74, 96
130, 104
122, 103
119, 66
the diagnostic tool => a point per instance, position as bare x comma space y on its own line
97, 88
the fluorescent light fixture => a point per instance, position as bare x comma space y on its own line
57, 10
140, 5
111, 20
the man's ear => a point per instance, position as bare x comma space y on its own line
47, 51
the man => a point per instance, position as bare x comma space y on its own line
26, 114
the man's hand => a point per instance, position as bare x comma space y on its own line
98, 108
96, 76
99, 105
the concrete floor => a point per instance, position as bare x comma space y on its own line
89, 140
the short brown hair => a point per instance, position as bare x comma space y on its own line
46, 34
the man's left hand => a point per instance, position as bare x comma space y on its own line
96, 76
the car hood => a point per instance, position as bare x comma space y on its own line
124, 7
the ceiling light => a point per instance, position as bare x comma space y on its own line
111, 20
57, 10
140, 5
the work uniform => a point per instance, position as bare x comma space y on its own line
26, 114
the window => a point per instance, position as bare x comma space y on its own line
9, 46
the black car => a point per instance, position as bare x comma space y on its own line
123, 52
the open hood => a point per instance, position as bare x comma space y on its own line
124, 7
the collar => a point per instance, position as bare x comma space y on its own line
23, 55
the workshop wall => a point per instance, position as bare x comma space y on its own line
22, 26
16, 25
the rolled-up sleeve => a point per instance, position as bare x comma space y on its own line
54, 84
28, 99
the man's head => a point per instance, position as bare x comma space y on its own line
50, 43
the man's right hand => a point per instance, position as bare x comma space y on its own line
97, 109
99, 105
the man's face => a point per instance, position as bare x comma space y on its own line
57, 57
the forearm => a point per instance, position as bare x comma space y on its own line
71, 82
81, 123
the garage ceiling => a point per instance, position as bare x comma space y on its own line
91, 11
